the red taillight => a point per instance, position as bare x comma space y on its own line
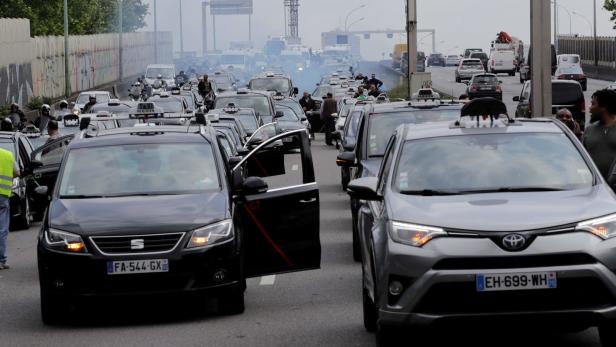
473, 87
498, 88
562, 77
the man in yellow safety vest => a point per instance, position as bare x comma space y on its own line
8, 171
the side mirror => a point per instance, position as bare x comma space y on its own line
279, 114
34, 164
364, 189
304, 118
516, 98
501, 82
346, 159
254, 186
295, 90
349, 145
41, 190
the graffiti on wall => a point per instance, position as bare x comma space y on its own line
15, 83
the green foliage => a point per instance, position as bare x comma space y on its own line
399, 92
610, 5
85, 16
35, 103
5, 110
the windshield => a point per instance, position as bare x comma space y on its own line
289, 115
258, 103
485, 79
382, 126
166, 72
100, 98
232, 59
156, 169
297, 108
473, 66
320, 92
170, 105
566, 93
570, 70
271, 84
479, 55
492, 162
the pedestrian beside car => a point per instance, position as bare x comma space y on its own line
377, 82
307, 103
8, 171
565, 116
330, 107
600, 137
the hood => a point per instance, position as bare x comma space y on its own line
138, 214
371, 167
504, 211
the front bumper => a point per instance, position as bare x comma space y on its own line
440, 281
189, 272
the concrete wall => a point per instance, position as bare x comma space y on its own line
584, 46
35, 66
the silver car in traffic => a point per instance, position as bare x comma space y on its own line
468, 68
486, 221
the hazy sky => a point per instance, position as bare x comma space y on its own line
461, 23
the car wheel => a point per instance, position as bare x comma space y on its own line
607, 335
584, 87
512, 73
231, 303
53, 307
23, 221
370, 313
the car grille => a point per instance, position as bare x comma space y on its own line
463, 298
137, 244
513, 262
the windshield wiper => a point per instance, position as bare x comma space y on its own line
514, 190
429, 192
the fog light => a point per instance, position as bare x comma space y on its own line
395, 288
219, 276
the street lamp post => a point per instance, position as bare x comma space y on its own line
584, 18
67, 75
121, 39
568, 13
355, 22
346, 21
155, 34
181, 31
596, 45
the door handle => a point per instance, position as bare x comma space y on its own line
308, 201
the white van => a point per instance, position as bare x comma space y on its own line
569, 60
165, 70
502, 61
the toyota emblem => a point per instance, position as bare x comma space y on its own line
514, 242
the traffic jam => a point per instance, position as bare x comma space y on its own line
210, 179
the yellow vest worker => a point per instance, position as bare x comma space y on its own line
8, 171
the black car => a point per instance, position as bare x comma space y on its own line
375, 128
247, 117
21, 197
348, 137
273, 83
481, 56
437, 59
565, 94
484, 85
164, 210
260, 101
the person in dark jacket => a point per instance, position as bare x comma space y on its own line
329, 108
307, 103
377, 82
600, 137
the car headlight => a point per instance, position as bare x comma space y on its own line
604, 227
414, 235
211, 234
64, 242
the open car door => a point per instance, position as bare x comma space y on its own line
279, 210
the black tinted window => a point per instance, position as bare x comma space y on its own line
566, 93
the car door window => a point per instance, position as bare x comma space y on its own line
52, 153
386, 165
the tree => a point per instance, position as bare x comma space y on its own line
610, 5
85, 16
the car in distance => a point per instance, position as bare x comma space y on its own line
436, 59
484, 85
467, 69
572, 73
453, 60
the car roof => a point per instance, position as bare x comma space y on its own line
136, 135
446, 129
100, 92
250, 92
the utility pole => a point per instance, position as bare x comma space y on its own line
67, 74
556, 25
541, 59
204, 25
181, 32
250, 28
596, 43
155, 34
411, 30
121, 37
214, 29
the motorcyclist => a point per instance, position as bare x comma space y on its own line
16, 116
44, 117
63, 106
205, 86
181, 79
88, 106
160, 79
136, 90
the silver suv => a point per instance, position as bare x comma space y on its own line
487, 220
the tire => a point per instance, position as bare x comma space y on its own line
370, 313
344, 178
458, 80
607, 335
23, 221
231, 303
53, 308
512, 73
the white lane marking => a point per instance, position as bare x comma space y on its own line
267, 280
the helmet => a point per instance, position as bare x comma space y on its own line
181, 72
14, 105
64, 103
160, 77
92, 97
45, 107
137, 84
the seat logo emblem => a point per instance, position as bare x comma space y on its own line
137, 244
514, 242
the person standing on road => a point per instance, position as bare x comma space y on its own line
89, 105
377, 82
330, 107
600, 137
8, 171
205, 87
307, 103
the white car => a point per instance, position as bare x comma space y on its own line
452, 60
568, 60
503, 61
167, 71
